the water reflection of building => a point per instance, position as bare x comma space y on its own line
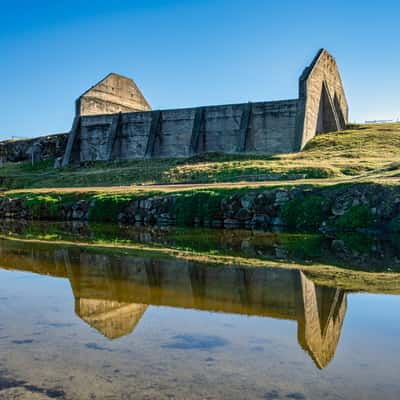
111, 318
112, 292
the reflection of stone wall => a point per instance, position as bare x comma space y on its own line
112, 292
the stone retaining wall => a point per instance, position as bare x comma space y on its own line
351, 207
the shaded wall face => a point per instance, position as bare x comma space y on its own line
320, 91
112, 95
270, 129
43, 148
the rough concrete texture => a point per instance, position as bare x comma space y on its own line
114, 93
271, 129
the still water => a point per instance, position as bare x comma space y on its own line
78, 323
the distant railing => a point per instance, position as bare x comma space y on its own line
381, 121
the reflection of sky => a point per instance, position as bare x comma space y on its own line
251, 354
373, 315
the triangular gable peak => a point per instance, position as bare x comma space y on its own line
114, 93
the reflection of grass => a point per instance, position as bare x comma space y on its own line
356, 242
306, 246
359, 216
371, 150
321, 274
301, 248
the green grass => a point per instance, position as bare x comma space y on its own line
200, 204
303, 213
365, 151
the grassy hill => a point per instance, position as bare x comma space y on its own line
363, 152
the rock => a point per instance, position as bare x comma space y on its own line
232, 204
281, 252
260, 201
84, 205
338, 246
261, 221
122, 217
246, 245
146, 204
296, 193
138, 217
77, 214
164, 219
281, 197
149, 219
247, 202
243, 215
217, 223
58, 162
269, 195
231, 223
340, 208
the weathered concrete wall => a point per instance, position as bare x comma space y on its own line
270, 128
115, 93
264, 127
322, 101
43, 148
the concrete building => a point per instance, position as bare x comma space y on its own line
113, 121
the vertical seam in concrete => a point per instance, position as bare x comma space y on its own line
115, 125
244, 127
154, 132
300, 120
196, 130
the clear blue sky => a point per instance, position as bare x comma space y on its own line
188, 53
